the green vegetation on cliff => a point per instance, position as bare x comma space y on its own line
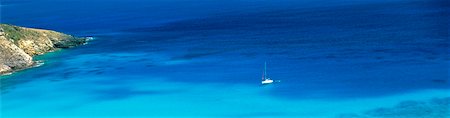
15, 33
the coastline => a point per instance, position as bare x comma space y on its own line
19, 46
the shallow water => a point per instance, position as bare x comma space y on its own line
183, 58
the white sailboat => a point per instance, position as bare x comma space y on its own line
265, 79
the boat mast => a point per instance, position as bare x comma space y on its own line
265, 72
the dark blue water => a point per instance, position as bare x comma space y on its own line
318, 50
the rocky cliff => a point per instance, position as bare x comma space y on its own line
19, 44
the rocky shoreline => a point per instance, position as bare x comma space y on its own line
18, 45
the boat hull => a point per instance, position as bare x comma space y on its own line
267, 81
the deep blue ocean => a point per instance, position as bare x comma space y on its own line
205, 58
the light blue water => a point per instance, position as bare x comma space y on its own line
183, 58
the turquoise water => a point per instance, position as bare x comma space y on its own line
183, 58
